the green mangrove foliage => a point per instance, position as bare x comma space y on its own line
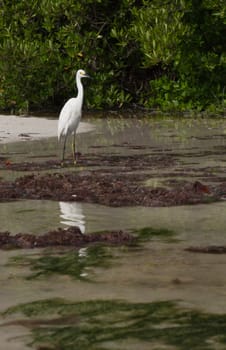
158, 54
107, 324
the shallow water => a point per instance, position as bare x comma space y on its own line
158, 269
202, 224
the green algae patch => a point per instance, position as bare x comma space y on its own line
147, 233
80, 263
107, 324
77, 264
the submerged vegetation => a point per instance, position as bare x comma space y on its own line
58, 324
155, 54
149, 232
80, 263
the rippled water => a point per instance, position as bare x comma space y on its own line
148, 276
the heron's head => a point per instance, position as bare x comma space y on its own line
82, 74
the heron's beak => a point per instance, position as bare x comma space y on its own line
87, 76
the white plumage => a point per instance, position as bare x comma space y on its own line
71, 113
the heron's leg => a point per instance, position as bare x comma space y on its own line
74, 148
64, 146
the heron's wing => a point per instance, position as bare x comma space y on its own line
65, 117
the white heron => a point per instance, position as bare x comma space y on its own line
70, 115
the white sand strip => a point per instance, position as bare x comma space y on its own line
14, 128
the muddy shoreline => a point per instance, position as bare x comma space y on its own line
111, 179
71, 237
111, 185
119, 183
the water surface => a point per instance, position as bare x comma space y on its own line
158, 269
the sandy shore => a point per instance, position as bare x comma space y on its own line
14, 128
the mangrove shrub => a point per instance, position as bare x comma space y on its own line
157, 54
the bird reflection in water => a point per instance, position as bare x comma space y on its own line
71, 214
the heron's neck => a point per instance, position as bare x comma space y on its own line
80, 88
